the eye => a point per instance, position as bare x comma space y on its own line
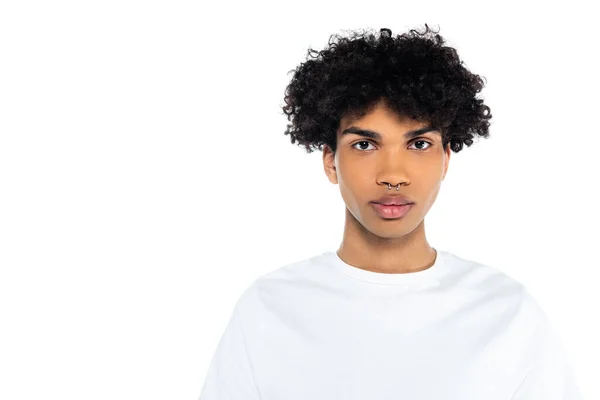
416, 141
424, 141
362, 141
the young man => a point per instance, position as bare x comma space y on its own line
387, 316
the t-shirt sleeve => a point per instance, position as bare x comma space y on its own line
230, 375
551, 375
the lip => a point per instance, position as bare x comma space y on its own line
397, 200
393, 211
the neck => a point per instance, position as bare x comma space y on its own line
396, 251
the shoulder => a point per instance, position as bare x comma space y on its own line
282, 281
475, 273
492, 281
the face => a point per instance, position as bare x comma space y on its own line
362, 164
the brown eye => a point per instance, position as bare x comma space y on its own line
362, 141
416, 141
423, 141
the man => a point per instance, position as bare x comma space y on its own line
387, 316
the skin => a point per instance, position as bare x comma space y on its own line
363, 166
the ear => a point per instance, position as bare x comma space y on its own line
329, 164
446, 160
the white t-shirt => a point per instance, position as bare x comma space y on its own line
321, 329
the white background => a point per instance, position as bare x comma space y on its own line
145, 180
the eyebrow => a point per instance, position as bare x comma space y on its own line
375, 135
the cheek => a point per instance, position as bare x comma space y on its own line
430, 193
350, 196
356, 178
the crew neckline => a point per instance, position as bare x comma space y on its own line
432, 273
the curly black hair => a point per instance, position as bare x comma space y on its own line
413, 73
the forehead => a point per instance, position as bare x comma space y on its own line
382, 116
380, 121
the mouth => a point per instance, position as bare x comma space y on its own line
392, 211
